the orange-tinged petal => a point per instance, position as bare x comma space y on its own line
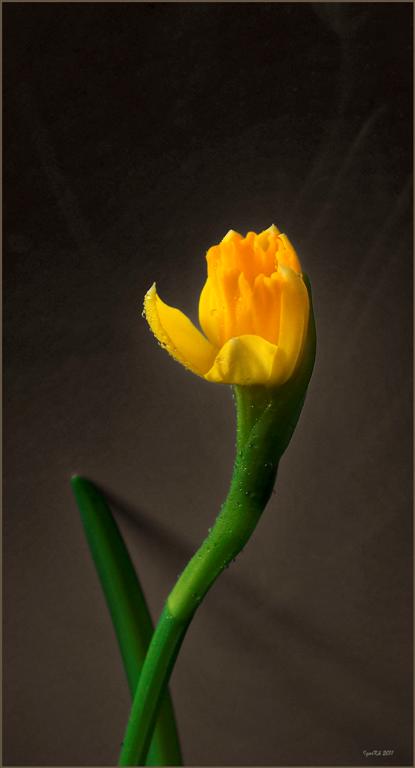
248, 360
267, 241
177, 334
267, 302
244, 308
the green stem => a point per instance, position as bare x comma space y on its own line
238, 517
157, 668
128, 608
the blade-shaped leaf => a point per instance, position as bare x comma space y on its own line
128, 608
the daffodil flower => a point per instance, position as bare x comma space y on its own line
253, 311
256, 315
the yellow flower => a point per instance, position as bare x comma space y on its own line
253, 311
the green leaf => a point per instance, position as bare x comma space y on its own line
128, 608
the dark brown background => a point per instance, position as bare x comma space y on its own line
136, 135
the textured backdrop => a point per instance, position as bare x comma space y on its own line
136, 135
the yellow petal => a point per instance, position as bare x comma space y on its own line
231, 236
287, 255
264, 236
249, 360
177, 334
294, 315
210, 314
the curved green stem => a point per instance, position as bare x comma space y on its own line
128, 608
234, 526
157, 668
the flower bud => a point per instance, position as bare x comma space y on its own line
253, 310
